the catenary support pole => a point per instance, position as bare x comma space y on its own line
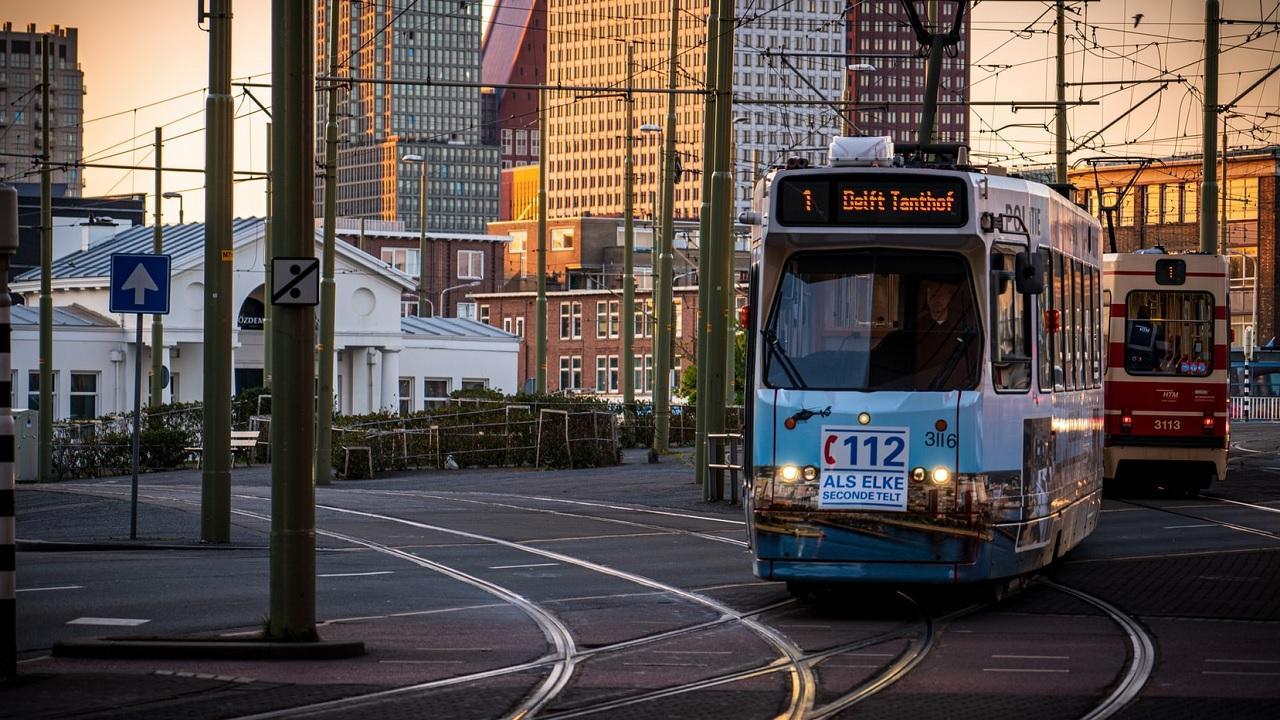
215, 489
1223, 215
8, 537
629, 249
137, 425
424, 199
269, 274
540, 381
703, 316
664, 300
323, 464
47, 410
293, 542
157, 247
1209, 183
711, 397
1060, 117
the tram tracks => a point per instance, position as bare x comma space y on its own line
559, 667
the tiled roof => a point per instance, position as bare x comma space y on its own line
179, 241
67, 316
451, 327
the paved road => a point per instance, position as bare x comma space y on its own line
618, 593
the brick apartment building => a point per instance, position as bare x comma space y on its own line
454, 262
1163, 208
584, 336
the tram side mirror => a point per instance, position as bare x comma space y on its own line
1029, 273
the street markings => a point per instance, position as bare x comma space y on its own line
1184, 527
46, 589
356, 574
1027, 670
517, 567
108, 622
1032, 657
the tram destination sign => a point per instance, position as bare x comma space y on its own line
890, 200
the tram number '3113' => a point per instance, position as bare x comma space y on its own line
1167, 424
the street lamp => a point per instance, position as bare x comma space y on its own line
442, 306
422, 230
653, 224
171, 195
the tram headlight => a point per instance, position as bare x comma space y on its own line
789, 473
940, 476
918, 474
809, 473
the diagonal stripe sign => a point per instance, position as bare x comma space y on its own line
295, 281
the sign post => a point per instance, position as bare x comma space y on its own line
139, 285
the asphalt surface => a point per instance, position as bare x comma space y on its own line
450, 574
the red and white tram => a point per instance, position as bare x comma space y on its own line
1166, 390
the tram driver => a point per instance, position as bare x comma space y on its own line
941, 351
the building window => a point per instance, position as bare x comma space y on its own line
475, 384
570, 372
642, 375
506, 325
408, 308
435, 392
520, 326
406, 395
570, 321
677, 314
518, 240
470, 264
484, 314
643, 321
506, 141
33, 390
403, 259
467, 310
562, 239
84, 395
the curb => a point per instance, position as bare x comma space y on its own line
154, 648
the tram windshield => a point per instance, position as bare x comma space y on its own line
873, 320
1169, 332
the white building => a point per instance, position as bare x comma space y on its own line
93, 349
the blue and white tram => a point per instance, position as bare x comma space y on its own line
925, 371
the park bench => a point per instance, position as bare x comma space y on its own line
243, 442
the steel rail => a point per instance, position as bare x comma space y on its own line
1223, 523
1141, 646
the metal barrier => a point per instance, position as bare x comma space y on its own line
1259, 408
728, 446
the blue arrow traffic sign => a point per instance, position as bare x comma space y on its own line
139, 283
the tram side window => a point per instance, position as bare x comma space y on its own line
1071, 324
1091, 321
1061, 302
1044, 338
1081, 314
1011, 327
1169, 333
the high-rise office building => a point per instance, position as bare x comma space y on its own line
777, 70
890, 98
379, 124
515, 52
21, 132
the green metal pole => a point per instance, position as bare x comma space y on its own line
540, 383
704, 246
1060, 119
157, 327
933, 76
293, 541
269, 276
215, 489
423, 197
711, 397
664, 300
1209, 183
629, 248
47, 410
323, 464
1226, 190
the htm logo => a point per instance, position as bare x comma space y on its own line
1168, 395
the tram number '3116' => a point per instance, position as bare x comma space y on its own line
940, 439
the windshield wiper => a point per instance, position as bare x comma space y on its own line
784, 359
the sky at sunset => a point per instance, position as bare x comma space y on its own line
145, 64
